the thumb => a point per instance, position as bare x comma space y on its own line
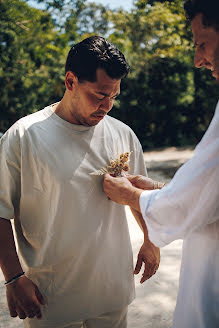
131, 178
138, 265
107, 176
39, 296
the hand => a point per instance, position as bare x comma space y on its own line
24, 299
118, 189
140, 181
121, 191
150, 256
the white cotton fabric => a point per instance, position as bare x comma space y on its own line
73, 242
188, 208
116, 319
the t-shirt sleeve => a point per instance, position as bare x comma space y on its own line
188, 203
137, 158
10, 180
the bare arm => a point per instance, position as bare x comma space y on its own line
123, 192
148, 254
127, 190
23, 296
9, 261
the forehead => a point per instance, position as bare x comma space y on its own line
105, 83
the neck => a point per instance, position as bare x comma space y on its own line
63, 110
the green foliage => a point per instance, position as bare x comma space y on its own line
164, 99
31, 60
163, 94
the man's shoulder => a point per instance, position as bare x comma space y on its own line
118, 124
120, 128
34, 117
25, 123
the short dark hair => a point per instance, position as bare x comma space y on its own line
85, 57
208, 8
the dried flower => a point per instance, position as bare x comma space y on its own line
116, 166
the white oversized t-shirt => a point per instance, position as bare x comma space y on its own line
188, 208
73, 242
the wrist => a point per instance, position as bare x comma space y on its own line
14, 279
10, 264
158, 185
9, 272
133, 198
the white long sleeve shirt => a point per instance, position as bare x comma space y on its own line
188, 209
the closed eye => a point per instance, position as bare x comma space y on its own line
101, 98
111, 98
114, 97
199, 45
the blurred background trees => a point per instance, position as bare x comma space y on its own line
165, 100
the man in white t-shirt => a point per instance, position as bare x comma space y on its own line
188, 208
73, 243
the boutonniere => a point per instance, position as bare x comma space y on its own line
116, 167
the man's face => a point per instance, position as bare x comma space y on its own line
206, 40
91, 101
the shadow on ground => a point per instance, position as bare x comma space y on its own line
165, 169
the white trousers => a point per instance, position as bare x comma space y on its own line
116, 319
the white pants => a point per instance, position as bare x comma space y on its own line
116, 319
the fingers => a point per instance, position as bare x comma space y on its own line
24, 299
21, 314
141, 182
39, 296
12, 310
32, 308
26, 309
107, 176
130, 177
146, 275
149, 271
35, 311
138, 264
30, 311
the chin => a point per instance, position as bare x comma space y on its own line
91, 123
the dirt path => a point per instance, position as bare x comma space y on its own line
155, 299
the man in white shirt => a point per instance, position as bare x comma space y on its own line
188, 207
73, 244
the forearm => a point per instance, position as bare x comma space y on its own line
9, 261
139, 219
132, 196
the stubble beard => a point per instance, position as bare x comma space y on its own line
85, 121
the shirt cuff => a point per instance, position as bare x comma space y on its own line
145, 200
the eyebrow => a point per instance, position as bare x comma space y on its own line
106, 94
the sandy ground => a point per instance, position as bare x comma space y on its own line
155, 299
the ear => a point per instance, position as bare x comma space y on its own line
70, 80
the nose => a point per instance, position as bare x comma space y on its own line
199, 60
107, 104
